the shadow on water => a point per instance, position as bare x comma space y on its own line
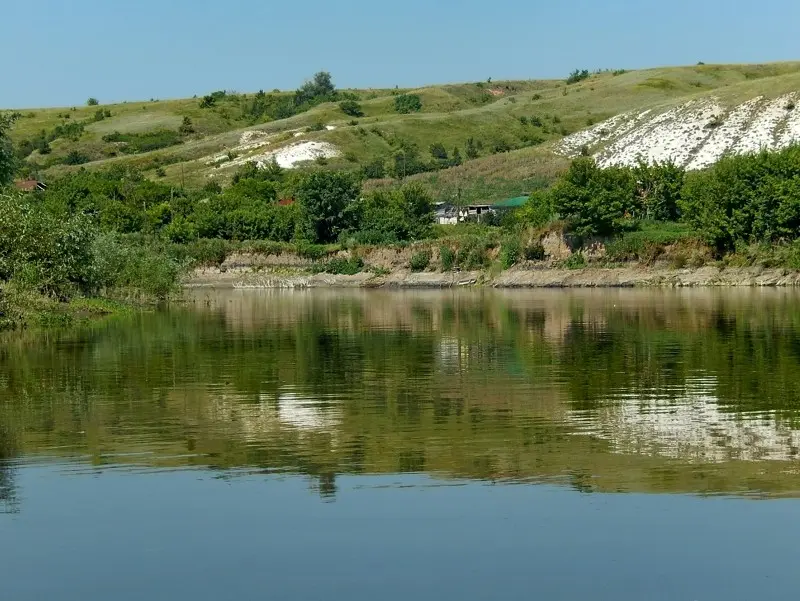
652, 391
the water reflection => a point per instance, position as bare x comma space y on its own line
679, 391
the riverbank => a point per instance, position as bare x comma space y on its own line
516, 277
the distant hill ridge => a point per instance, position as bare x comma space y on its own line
475, 141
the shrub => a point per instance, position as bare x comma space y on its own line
351, 108
577, 75
43, 251
534, 252
750, 198
314, 252
420, 260
595, 201
186, 127
407, 103
375, 169
342, 266
510, 252
575, 261
129, 268
75, 157
472, 253
92, 102
133, 143
447, 257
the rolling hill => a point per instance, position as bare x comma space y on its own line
522, 132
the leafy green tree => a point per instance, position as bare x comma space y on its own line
659, 188
390, 215
595, 201
8, 161
319, 89
407, 103
455, 158
92, 102
747, 198
325, 199
351, 107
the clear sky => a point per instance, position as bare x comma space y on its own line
60, 52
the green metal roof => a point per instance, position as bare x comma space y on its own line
511, 203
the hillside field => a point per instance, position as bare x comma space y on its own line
509, 134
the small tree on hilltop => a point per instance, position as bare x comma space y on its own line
577, 75
92, 102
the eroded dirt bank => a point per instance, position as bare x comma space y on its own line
516, 277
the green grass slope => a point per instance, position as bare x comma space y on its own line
513, 124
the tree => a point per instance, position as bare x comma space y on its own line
471, 149
407, 103
352, 108
7, 160
92, 102
186, 127
319, 89
595, 201
325, 199
455, 159
438, 151
577, 75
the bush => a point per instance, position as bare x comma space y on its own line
375, 169
577, 75
538, 211
472, 253
42, 251
394, 215
510, 252
447, 257
92, 102
575, 261
534, 252
351, 108
342, 266
749, 198
594, 201
420, 260
75, 157
407, 103
145, 142
129, 268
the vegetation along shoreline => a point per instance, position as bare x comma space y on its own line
505, 184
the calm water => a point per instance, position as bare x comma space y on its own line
603, 445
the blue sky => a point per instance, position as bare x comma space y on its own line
60, 52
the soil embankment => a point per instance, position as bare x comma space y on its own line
290, 271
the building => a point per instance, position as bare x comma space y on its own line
445, 214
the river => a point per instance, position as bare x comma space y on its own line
368, 444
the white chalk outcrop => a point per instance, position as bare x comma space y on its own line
693, 135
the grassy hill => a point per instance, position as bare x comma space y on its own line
513, 125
